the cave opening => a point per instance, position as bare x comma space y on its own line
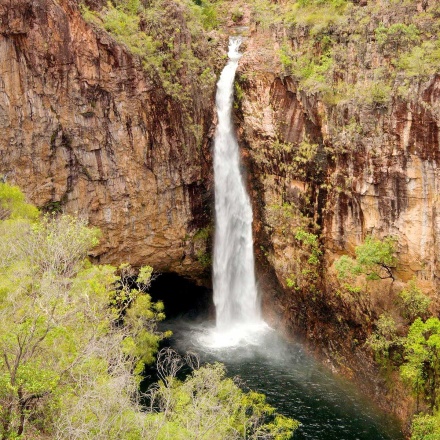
182, 297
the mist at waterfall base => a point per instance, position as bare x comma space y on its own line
328, 407
297, 386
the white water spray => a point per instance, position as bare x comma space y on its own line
235, 290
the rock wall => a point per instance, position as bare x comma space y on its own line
343, 171
86, 130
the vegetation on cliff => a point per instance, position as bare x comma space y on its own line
359, 53
407, 344
74, 340
357, 92
170, 38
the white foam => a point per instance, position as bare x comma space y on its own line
235, 289
238, 335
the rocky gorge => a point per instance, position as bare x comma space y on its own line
334, 154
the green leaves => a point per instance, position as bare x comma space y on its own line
426, 427
168, 37
422, 355
208, 405
74, 340
65, 332
13, 204
384, 338
415, 303
396, 37
374, 258
144, 276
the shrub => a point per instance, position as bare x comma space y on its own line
420, 61
426, 427
13, 204
384, 337
421, 370
396, 37
415, 302
379, 94
374, 258
154, 34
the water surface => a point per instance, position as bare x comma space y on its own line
329, 408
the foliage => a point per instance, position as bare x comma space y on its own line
74, 340
426, 427
291, 283
202, 234
237, 15
13, 204
415, 302
421, 61
64, 344
306, 152
238, 94
421, 370
311, 71
163, 35
207, 12
384, 338
374, 258
317, 15
310, 240
123, 23
211, 406
396, 37
346, 267
204, 259
378, 94
337, 57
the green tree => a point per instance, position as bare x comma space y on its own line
415, 302
60, 338
396, 37
384, 338
74, 339
374, 258
208, 405
421, 370
426, 427
13, 203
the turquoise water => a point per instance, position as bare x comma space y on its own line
328, 407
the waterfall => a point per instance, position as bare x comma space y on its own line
235, 291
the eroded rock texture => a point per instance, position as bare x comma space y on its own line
86, 130
344, 171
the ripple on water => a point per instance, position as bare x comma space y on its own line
328, 407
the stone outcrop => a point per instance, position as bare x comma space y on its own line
344, 171
86, 130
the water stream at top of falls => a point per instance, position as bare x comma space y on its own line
235, 290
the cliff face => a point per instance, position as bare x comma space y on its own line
342, 168
383, 181
85, 129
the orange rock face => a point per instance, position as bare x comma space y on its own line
343, 170
382, 181
86, 130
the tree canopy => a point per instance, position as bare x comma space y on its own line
74, 340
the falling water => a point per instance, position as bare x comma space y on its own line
235, 290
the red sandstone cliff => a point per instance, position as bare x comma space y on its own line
85, 129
